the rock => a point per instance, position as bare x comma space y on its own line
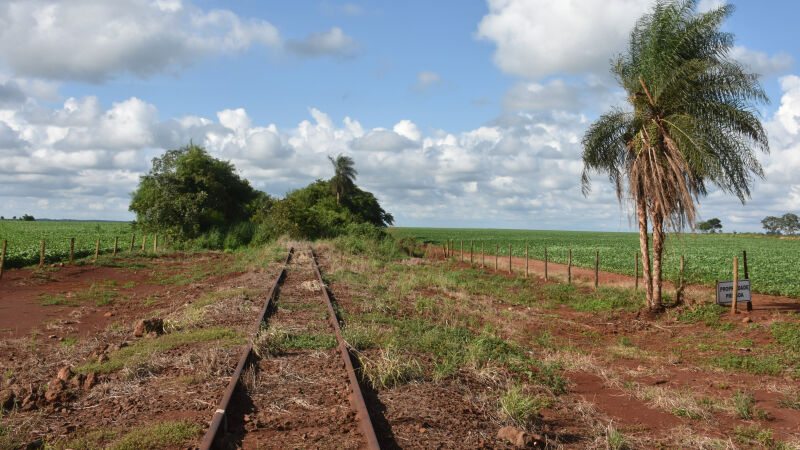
55, 389
90, 381
64, 373
518, 438
7, 399
102, 358
148, 326
77, 381
151, 335
747, 320
108, 314
28, 403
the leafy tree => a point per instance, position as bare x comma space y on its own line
313, 212
28, 218
188, 192
772, 224
790, 223
343, 181
691, 121
710, 226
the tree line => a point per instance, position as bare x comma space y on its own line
200, 199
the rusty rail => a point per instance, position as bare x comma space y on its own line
357, 399
219, 419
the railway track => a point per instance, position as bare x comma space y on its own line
294, 385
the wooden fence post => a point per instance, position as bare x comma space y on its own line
133, 237
144, 240
41, 255
71, 250
545, 264
509, 259
744, 258
97, 249
526, 261
735, 285
115, 246
470, 253
483, 256
155, 244
3, 257
496, 253
569, 268
596, 268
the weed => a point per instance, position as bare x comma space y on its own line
69, 341
759, 365
270, 341
51, 300
390, 369
141, 351
744, 404
101, 293
625, 341
158, 436
150, 301
615, 440
309, 341
520, 407
747, 435
787, 334
790, 401
362, 337
129, 285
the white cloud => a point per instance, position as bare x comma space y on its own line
520, 170
708, 5
426, 79
534, 96
760, 62
94, 40
537, 38
333, 42
408, 129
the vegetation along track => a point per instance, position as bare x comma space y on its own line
289, 389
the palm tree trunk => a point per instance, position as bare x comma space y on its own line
658, 251
338, 202
641, 212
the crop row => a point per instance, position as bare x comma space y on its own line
773, 264
24, 240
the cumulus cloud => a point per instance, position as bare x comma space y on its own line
94, 40
761, 63
520, 170
538, 38
333, 42
534, 96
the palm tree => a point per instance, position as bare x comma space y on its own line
691, 121
343, 180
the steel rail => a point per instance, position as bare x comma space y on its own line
357, 399
219, 419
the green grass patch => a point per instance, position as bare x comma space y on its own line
759, 365
101, 293
522, 408
391, 368
56, 300
309, 341
157, 436
787, 334
140, 351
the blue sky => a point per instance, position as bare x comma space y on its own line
456, 113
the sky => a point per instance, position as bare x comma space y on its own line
457, 113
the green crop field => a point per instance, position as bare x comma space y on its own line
25, 239
774, 264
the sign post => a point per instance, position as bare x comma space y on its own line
725, 293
